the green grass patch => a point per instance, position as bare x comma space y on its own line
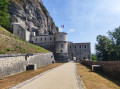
11, 44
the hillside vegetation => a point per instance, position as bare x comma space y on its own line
4, 15
11, 44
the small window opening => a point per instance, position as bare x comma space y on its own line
61, 45
80, 46
75, 47
50, 38
45, 39
36, 39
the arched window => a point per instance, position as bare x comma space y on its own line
84, 57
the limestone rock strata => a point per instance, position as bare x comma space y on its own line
32, 15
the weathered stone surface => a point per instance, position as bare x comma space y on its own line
13, 64
32, 15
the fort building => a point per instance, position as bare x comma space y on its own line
57, 43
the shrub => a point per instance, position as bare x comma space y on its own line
4, 15
15, 49
8, 49
57, 29
43, 9
2, 52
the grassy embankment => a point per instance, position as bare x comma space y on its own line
94, 80
11, 44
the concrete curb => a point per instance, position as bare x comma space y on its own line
80, 82
29, 80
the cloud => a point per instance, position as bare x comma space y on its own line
71, 30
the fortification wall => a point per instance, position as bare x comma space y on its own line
43, 39
79, 50
111, 68
13, 64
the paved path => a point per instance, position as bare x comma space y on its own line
63, 77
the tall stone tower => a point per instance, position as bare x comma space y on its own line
61, 47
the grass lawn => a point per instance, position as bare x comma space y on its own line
11, 81
11, 44
94, 80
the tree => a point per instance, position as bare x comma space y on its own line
94, 58
4, 15
108, 48
103, 47
115, 38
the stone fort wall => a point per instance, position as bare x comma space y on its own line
13, 64
56, 43
110, 68
79, 50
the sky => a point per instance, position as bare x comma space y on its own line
84, 20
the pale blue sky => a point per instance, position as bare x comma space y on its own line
85, 19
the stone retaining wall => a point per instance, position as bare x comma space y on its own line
111, 68
13, 64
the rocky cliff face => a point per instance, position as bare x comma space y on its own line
32, 15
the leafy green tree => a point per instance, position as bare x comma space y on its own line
103, 48
4, 15
115, 38
94, 58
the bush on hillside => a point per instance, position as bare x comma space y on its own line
4, 15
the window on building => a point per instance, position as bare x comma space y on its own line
36, 39
45, 39
70, 47
75, 47
54, 39
61, 51
85, 46
41, 39
61, 45
50, 39
80, 46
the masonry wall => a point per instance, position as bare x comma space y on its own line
79, 50
43, 39
111, 68
13, 64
